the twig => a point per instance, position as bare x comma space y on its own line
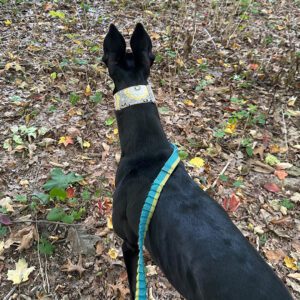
39, 257
10, 293
284, 130
45, 221
221, 173
211, 38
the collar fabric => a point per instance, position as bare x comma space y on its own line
133, 95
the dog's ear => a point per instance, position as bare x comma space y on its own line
114, 46
141, 47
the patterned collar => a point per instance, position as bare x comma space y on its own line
133, 95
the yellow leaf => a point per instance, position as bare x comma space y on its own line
66, 140
226, 65
291, 263
8, 66
86, 144
188, 102
200, 61
88, 90
7, 22
18, 67
77, 42
113, 253
230, 127
6, 203
280, 27
116, 131
109, 222
208, 77
21, 273
180, 62
197, 162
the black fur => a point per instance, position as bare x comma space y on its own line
191, 238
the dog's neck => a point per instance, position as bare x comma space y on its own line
140, 129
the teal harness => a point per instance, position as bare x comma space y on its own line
146, 215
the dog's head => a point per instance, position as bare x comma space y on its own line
128, 69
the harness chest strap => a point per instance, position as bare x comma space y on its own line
146, 215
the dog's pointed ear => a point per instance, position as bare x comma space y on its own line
114, 46
141, 47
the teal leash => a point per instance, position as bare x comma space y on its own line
146, 215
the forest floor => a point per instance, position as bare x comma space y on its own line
226, 80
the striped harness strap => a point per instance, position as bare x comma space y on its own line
146, 215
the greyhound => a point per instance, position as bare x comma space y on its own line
192, 239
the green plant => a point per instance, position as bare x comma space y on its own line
45, 246
74, 98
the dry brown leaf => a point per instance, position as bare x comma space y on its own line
99, 248
294, 276
274, 256
70, 267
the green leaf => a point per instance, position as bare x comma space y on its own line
97, 97
55, 214
21, 198
14, 128
61, 180
3, 231
74, 98
182, 154
57, 14
223, 178
110, 121
42, 131
80, 61
53, 75
77, 215
17, 139
287, 203
43, 198
271, 160
16, 98
219, 133
45, 247
249, 150
164, 110
69, 219
86, 195
58, 193
7, 144
238, 183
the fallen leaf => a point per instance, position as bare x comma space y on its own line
281, 174
99, 249
21, 273
197, 162
291, 263
88, 90
179, 62
66, 140
231, 127
294, 276
70, 267
7, 22
274, 256
188, 102
109, 222
116, 131
295, 286
1, 247
253, 67
154, 35
5, 220
271, 187
231, 204
86, 144
284, 166
113, 253
295, 197
200, 61
70, 192
6, 203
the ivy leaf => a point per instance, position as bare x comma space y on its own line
182, 154
97, 97
61, 180
69, 219
110, 121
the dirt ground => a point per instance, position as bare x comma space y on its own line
226, 80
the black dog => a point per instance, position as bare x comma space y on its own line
191, 238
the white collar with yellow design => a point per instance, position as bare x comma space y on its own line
133, 95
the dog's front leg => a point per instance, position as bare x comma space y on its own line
130, 254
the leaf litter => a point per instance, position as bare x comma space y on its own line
228, 90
